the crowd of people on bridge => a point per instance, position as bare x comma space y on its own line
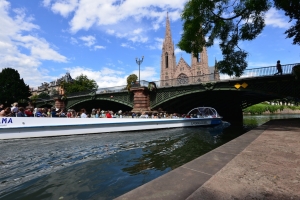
29, 111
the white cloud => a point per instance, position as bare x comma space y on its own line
122, 18
46, 3
64, 7
177, 51
89, 40
137, 31
147, 74
99, 47
18, 36
105, 77
127, 46
157, 44
138, 38
275, 19
110, 31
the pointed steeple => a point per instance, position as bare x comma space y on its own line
168, 58
168, 36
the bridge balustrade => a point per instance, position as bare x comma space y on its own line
254, 72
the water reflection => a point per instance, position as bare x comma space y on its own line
104, 166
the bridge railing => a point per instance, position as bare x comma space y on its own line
263, 71
111, 89
254, 72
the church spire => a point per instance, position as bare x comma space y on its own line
168, 36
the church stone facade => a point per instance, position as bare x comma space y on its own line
181, 73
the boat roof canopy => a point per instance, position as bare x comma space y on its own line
204, 111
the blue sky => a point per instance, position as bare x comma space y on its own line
44, 39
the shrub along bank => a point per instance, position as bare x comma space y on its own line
261, 108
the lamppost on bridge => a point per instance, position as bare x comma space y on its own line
139, 62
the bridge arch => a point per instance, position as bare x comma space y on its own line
103, 103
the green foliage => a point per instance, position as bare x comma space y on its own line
12, 87
230, 22
43, 95
54, 92
292, 10
296, 71
260, 108
132, 78
81, 83
34, 98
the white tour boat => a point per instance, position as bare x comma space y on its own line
27, 127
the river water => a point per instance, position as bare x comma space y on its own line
105, 166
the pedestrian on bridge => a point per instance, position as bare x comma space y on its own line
279, 68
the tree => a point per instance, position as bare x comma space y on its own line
131, 79
12, 87
81, 83
231, 21
44, 95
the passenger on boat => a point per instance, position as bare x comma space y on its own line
108, 115
6, 112
63, 113
69, 114
93, 114
39, 113
15, 108
53, 112
21, 112
1, 107
83, 113
29, 111
98, 114
48, 112
44, 112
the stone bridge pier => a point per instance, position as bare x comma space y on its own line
141, 100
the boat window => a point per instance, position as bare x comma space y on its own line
195, 113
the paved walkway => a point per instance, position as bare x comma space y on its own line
264, 163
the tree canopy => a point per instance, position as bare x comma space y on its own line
231, 21
12, 87
132, 78
81, 83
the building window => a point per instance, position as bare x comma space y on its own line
166, 78
182, 79
166, 84
167, 61
199, 57
198, 73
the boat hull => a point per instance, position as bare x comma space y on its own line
17, 127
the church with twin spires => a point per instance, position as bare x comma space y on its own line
181, 73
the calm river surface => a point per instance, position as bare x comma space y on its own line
105, 166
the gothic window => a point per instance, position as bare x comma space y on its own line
166, 84
182, 79
198, 73
167, 78
198, 80
199, 57
166, 58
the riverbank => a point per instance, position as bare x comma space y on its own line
261, 164
284, 111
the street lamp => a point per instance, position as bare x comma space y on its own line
139, 62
